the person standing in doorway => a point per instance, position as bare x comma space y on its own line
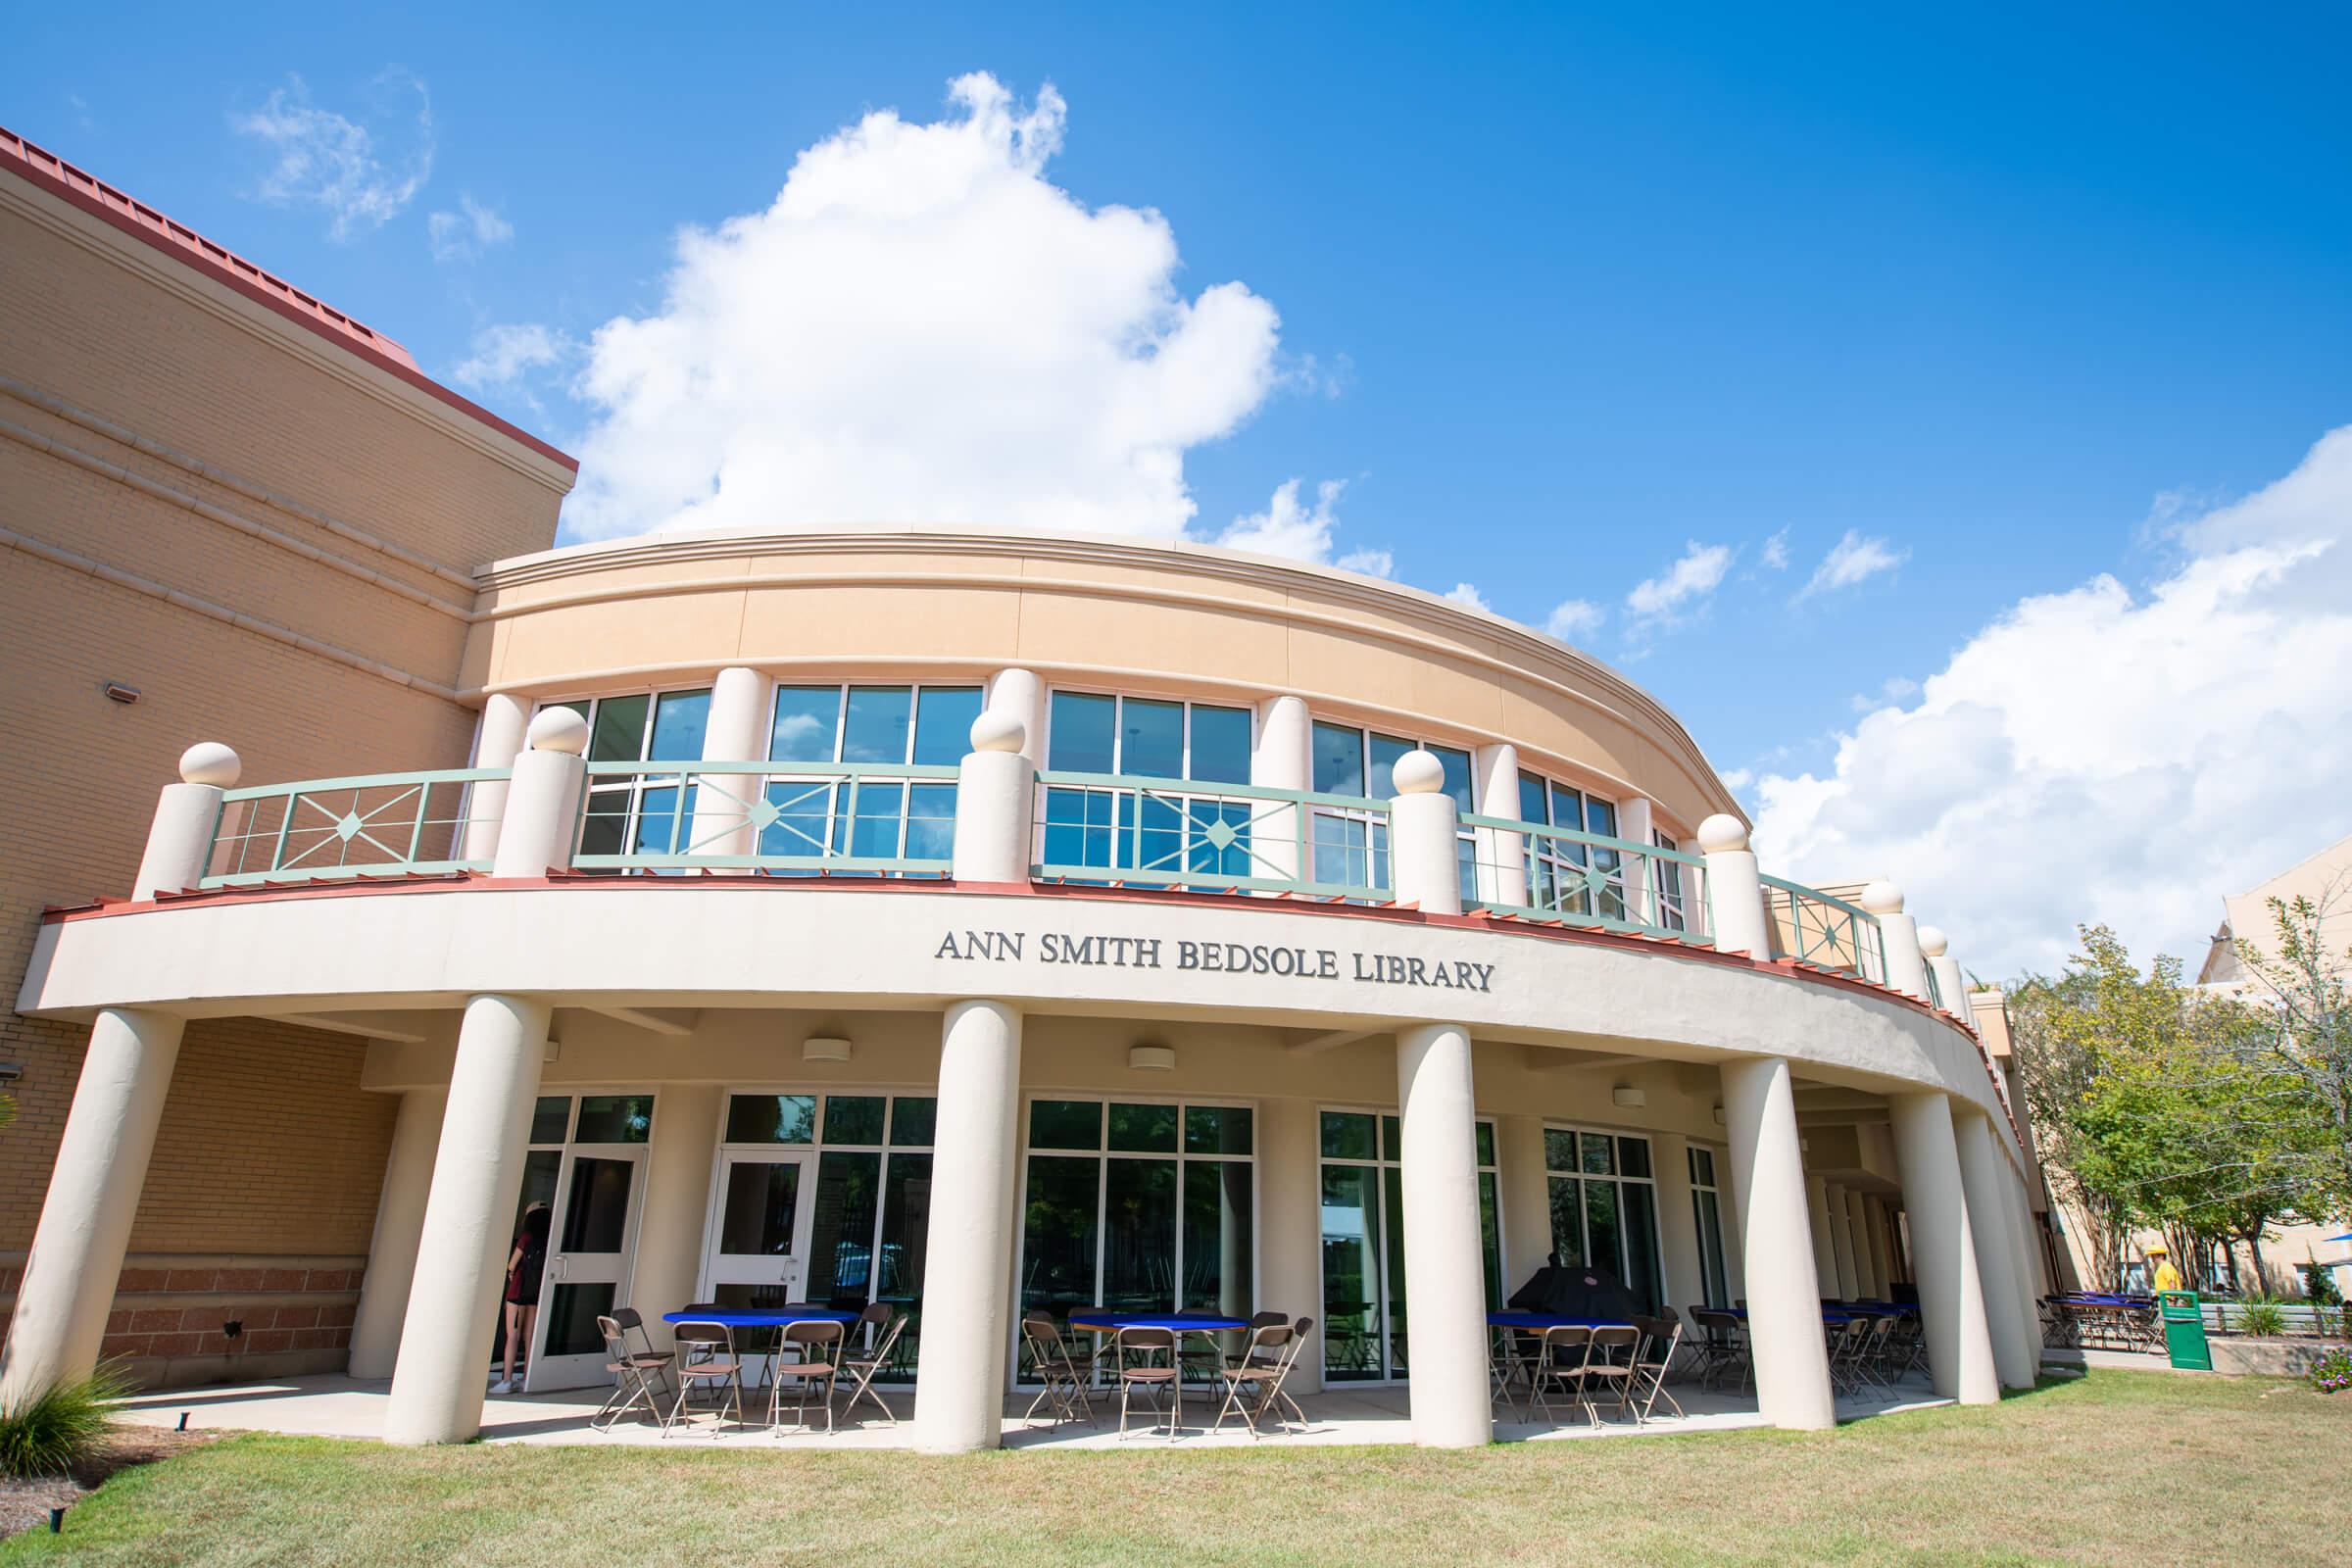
525, 1264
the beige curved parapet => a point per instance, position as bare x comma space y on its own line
1143, 617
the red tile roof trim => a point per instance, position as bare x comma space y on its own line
47, 172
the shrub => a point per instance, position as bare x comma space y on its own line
63, 1428
2332, 1372
2319, 1284
2260, 1318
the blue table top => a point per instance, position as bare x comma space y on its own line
1181, 1322
771, 1318
1551, 1320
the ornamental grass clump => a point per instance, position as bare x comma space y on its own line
63, 1429
2260, 1320
2332, 1372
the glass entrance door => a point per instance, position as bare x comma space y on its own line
599, 1187
757, 1251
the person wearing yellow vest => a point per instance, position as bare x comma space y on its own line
2166, 1277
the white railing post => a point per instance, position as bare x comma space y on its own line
543, 800
741, 715
1735, 888
1423, 870
506, 717
1283, 758
1501, 867
1641, 884
1899, 937
995, 792
180, 839
1950, 984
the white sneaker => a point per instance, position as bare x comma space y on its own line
503, 1386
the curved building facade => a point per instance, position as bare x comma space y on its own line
990, 923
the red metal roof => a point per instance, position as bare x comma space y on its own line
47, 172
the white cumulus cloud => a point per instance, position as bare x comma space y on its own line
2101, 755
1852, 558
462, 235
1467, 595
1774, 556
1572, 619
327, 159
505, 353
921, 327
1689, 582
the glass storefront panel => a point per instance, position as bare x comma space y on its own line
1220, 745
1217, 1130
616, 1119
596, 1214
1219, 1238
1058, 1233
1139, 1234
875, 722
1065, 1124
912, 1119
1151, 738
1082, 733
551, 1119
1604, 1208
1365, 1302
855, 1120
841, 1231
771, 1118
758, 1211
1142, 1129
1351, 1348
807, 720
943, 724
572, 1313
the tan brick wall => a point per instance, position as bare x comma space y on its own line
260, 1197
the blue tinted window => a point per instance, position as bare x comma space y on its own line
1385, 748
1080, 735
1457, 777
1338, 760
1153, 739
679, 719
1221, 745
807, 720
1530, 798
1567, 807
1601, 817
943, 723
874, 728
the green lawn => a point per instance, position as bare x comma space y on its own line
2116, 1466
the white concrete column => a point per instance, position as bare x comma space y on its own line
179, 837
995, 796
399, 1225
1735, 895
1882, 1264
506, 716
1290, 1211
1868, 1286
1951, 986
1282, 757
1018, 694
743, 714
1684, 1277
678, 1169
1634, 822
1501, 856
1981, 1180
1824, 1251
1784, 1300
1444, 1273
1422, 864
543, 804
1842, 1246
967, 1282
93, 1195
1906, 966
1951, 1292
1524, 1184
2028, 1272
438, 1382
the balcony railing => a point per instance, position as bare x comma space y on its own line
1175, 833
1551, 873
788, 818
1812, 927
380, 825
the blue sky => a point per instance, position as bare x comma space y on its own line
2004, 300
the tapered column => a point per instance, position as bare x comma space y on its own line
1981, 1180
1421, 843
1784, 1300
1868, 1286
1824, 1251
78, 1248
1502, 854
1290, 1211
2029, 1274
542, 818
1882, 1261
437, 1383
742, 714
967, 1279
1943, 1254
1841, 1248
677, 1195
505, 717
1735, 891
1282, 759
399, 1223
1445, 1275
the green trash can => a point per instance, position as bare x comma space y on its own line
2184, 1331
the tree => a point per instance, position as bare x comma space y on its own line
2297, 1037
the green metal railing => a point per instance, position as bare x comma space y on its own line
1554, 873
796, 818
377, 824
1178, 833
1812, 927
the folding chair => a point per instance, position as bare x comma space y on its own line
1559, 1359
1258, 1369
1873, 1351
1721, 1351
862, 1370
1845, 1355
635, 1374
1064, 1377
819, 1342
1141, 1367
707, 1354
1654, 1366
1611, 1356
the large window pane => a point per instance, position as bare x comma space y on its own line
1393, 1256
1139, 1234
874, 728
571, 1314
1065, 1124
1080, 734
905, 1228
912, 1118
1216, 1129
1143, 1129
808, 718
1633, 1157
1567, 807
1383, 750
1338, 760
943, 723
1639, 1238
1217, 1238
619, 733
616, 1119
1221, 745
841, 1232
596, 1211
1348, 1134
1058, 1233
771, 1118
1568, 1220
1351, 1272
756, 1213
1709, 1217
1457, 777
853, 1118
1601, 1231
551, 1119
930, 821
1151, 738
1601, 1155
1560, 1150
877, 804
1530, 798
1601, 817
1489, 1234
679, 719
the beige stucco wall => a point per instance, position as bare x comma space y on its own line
1104, 613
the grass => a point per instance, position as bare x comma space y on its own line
63, 1429
2115, 1465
